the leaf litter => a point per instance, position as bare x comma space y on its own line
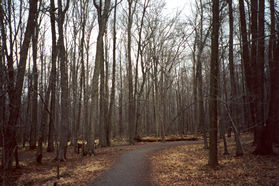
187, 165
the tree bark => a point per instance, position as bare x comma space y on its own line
245, 54
254, 53
268, 133
103, 14
45, 113
138, 94
121, 128
15, 92
112, 96
131, 110
214, 70
50, 147
34, 125
64, 128
259, 89
233, 93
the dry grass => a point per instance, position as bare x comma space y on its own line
187, 165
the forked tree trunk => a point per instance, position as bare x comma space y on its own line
103, 9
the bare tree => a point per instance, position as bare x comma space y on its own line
139, 57
131, 115
214, 69
64, 128
271, 128
16, 84
50, 147
198, 49
239, 149
245, 55
34, 125
112, 96
103, 10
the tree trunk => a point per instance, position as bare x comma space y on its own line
34, 125
112, 96
195, 116
74, 75
265, 147
45, 113
64, 128
120, 100
239, 147
50, 147
103, 14
231, 65
15, 92
102, 99
131, 110
254, 62
139, 57
261, 132
246, 62
107, 126
214, 70
200, 102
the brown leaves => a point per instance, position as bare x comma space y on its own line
75, 171
186, 165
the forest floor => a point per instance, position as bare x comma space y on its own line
187, 165
77, 170
173, 163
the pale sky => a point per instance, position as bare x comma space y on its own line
180, 4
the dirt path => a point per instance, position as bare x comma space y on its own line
132, 167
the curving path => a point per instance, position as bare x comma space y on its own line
133, 167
